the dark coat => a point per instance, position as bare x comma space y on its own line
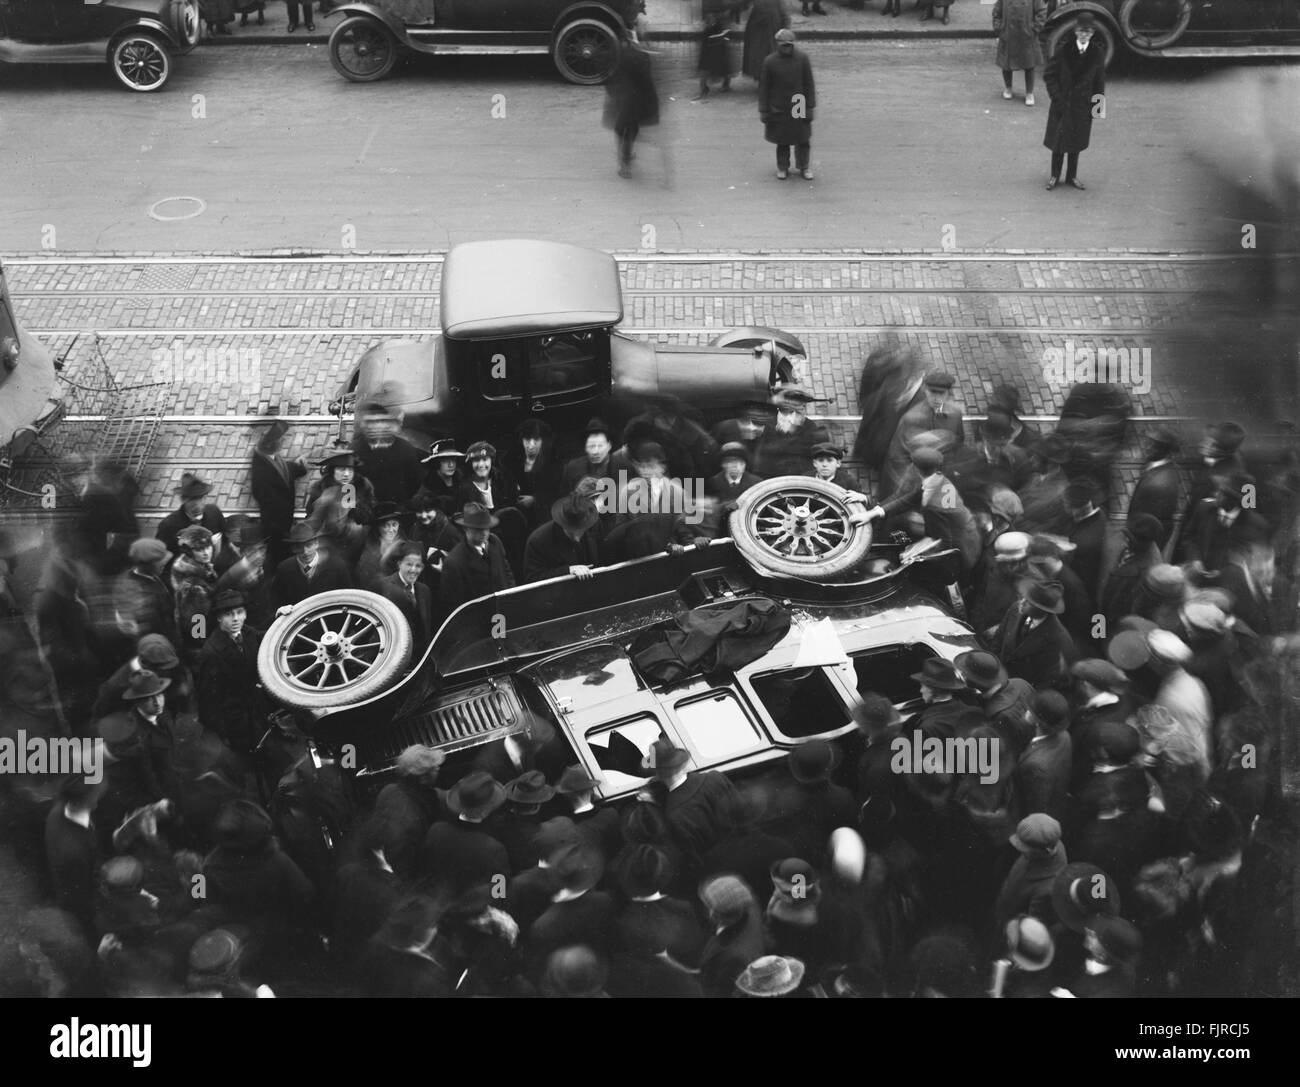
1089, 539
587, 919
418, 609
616, 467
528, 895
750, 854
1018, 24
407, 811
271, 480
263, 888
396, 472
695, 810
231, 702
385, 971
1043, 776
1208, 540
648, 977
550, 552
631, 100
1028, 889
170, 526
1038, 656
1073, 79
72, 854
667, 924
467, 575
462, 855
716, 486
364, 896
550, 758
143, 604
806, 815
290, 585
1156, 493
788, 454
1122, 590
787, 117
542, 484
767, 17
728, 953
505, 495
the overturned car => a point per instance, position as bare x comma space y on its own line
580, 654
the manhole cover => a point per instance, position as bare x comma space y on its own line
171, 209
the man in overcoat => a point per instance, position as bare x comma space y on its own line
786, 100
271, 479
1076, 81
1017, 24
231, 701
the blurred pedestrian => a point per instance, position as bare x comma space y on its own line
1018, 24
218, 15
1076, 82
767, 17
715, 52
293, 15
271, 479
787, 98
248, 6
631, 101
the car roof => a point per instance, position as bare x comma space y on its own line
517, 287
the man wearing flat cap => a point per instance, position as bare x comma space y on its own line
566, 544
785, 448
734, 479
1027, 888
153, 653
194, 510
232, 703
827, 459
142, 597
272, 479
934, 419
787, 98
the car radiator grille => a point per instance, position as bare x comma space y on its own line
477, 716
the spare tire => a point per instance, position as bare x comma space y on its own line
798, 526
1145, 38
334, 649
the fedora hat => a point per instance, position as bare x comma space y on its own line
476, 515
191, 486
579, 866
1143, 528
735, 449
1085, 20
530, 788
875, 713
575, 780
772, 975
575, 512
476, 795
241, 824
664, 757
814, 760
1029, 943
940, 675
445, 447
145, 684
644, 870
303, 532
228, 600
553, 835
1082, 890
1043, 596
981, 670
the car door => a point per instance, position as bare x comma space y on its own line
567, 371
37, 20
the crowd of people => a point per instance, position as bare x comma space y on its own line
1132, 837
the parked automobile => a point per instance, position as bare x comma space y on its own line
529, 329
563, 650
1182, 28
30, 398
138, 38
582, 38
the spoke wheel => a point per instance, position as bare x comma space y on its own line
334, 649
362, 49
795, 526
586, 51
141, 62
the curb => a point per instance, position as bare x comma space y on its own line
660, 36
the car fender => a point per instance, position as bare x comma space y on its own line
588, 10
395, 25
148, 26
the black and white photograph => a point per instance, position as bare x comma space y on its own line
651, 499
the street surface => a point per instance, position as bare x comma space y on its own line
913, 148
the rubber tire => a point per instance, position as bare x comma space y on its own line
1162, 41
753, 336
761, 559
567, 74
372, 683
336, 36
1061, 30
114, 61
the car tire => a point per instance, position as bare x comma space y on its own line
344, 671
586, 51
758, 336
362, 49
1065, 28
1144, 39
140, 62
825, 546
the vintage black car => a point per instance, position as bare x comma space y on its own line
1183, 28
529, 330
30, 397
138, 38
562, 649
582, 38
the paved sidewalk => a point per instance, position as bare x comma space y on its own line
678, 20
